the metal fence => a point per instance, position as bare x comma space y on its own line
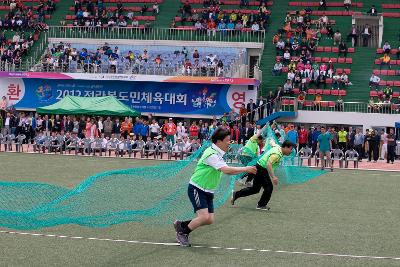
174, 34
292, 104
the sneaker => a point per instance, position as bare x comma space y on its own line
233, 198
178, 226
183, 239
266, 208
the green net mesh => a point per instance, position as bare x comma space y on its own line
153, 194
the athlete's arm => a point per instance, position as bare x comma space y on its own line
236, 170
271, 173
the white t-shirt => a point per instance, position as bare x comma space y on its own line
216, 161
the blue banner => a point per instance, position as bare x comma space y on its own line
152, 97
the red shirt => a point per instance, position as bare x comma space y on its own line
303, 136
194, 131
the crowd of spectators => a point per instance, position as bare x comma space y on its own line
64, 57
295, 49
212, 18
25, 23
183, 136
95, 14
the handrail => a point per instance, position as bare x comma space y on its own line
141, 33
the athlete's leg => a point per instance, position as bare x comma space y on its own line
251, 190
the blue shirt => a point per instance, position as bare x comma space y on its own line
292, 136
137, 128
144, 130
315, 135
324, 142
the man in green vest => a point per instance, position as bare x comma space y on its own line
204, 182
250, 151
265, 176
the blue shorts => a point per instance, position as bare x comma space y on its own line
200, 199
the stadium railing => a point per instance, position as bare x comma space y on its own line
292, 104
140, 33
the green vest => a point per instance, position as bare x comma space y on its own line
206, 177
265, 158
251, 147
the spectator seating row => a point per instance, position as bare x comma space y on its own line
392, 62
35, 16
309, 103
330, 13
380, 94
193, 28
390, 6
140, 18
126, 8
133, 1
334, 92
391, 14
228, 2
340, 60
392, 51
227, 11
35, 1
333, 49
389, 83
387, 72
329, 4
338, 70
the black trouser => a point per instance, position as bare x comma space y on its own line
302, 145
390, 153
342, 146
360, 151
314, 148
373, 152
261, 179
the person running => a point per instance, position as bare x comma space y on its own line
324, 146
203, 183
265, 176
250, 151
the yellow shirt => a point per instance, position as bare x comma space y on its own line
342, 136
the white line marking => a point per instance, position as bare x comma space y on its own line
210, 247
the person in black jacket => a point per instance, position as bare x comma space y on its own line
117, 128
373, 144
251, 107
47, 126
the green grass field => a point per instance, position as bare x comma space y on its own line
353, 213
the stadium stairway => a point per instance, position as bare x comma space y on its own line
278, 13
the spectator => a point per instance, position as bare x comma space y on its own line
317, 102
251, 107
386, 48
342, 134
385, 60
288, 88
303, 137
170, 130
277, 70
374, 82
342, 49
353, 35
126, 127
391, 145
388, 92
372, 11
347, 4
337, 38
144, 130
322, 5
359, 144
194, 130
366, 34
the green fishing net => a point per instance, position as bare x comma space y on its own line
152, 194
